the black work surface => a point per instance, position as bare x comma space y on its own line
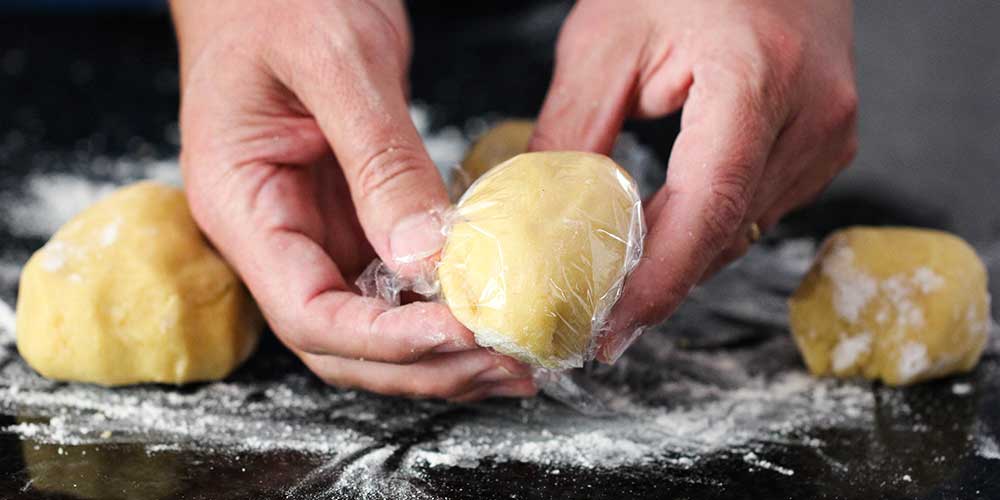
75, 88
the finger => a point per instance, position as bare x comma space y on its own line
399, 194
809, 187
305, 299
738, 247
272, 236
518, 388
805, 159
806, 191
813, 148
443, 376
727, 131
592, 86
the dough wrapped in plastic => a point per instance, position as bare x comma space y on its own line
538, 252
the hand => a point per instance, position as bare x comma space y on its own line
301, 164
769, 104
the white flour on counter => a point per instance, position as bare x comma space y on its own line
693, 405
7, 323
718, 407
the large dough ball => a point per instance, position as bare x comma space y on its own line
504, 141
129, 291
538, 254
900, 305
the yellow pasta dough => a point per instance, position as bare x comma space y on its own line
504, 141
897, 304
129, 291
538, 253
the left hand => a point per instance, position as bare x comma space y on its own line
769, 119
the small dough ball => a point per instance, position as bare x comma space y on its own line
129, 291
896, 304
539, 252
504, 141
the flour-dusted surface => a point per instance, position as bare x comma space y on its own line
715, 398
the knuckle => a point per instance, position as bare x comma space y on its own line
787, 49
395, 353
545, 139
844, 104
388, 345
734, 251
849, 152
387, 170
301, 341
728, 201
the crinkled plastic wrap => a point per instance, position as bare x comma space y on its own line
537, 253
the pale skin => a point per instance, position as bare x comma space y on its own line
301, 162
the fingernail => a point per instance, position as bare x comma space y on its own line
495, 374
443, 344
617, 345
416, 237
508, 369
513, 389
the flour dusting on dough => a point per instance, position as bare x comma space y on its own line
899, 291
54, 256
110, 232
853, 288
912, 361
927, 280
848, 350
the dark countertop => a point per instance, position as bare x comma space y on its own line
82, 87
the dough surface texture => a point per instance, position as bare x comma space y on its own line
538, 253
504, 141
896, 304
129, 291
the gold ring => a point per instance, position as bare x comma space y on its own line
753, 232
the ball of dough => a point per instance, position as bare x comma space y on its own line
538, 253
900, 305
129, 291
504, 141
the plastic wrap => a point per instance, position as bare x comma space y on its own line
537, 253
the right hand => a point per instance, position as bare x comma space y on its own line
301, 164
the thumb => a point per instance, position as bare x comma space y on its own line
591, 89
397, 191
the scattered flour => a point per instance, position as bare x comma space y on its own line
961, 388
986, 447
10, 272
51, 200
752, 459
712, 405
7, 323
762, 411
